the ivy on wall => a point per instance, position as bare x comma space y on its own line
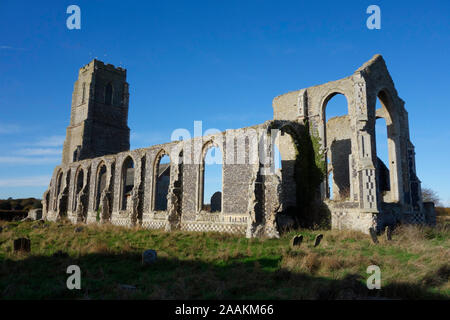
310, 171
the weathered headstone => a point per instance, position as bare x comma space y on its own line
22, 244
149, 257
389, 230
318, 239
297, 240
373, 235
294, 240
216, 202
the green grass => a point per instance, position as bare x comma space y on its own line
414, 265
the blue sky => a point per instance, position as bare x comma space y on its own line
221, 62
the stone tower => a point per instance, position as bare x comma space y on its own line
99, 115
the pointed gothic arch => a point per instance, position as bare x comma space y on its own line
161, 178
100, 183
127, 182
205, 198
337, 143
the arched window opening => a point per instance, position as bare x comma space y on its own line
276, 158
338, 143
109, 94
212, 180
59, 184
57, 191
285, 155
60, 196
100, 185
382, 156
79, 181
127, 183
162, 175
386, 140
330, 183
76, 154
47, 203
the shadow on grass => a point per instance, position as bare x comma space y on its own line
121, 276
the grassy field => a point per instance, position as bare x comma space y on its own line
414, 265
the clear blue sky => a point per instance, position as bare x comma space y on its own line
221, 62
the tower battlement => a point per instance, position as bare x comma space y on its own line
101, 65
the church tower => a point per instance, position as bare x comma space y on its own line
99, 115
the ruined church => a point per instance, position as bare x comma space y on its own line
330, 174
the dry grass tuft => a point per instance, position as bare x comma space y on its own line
409, 233
311, 262
99, 247
297, 260
332, 263
340, 235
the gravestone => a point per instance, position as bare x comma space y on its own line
389, 230
216, 202
149, 257
297, 240
373, 235
318, 239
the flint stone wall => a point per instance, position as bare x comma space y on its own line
253, 193
234, 216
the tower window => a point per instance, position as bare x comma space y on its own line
76, 154
109, 94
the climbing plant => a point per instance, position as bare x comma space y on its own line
310, 171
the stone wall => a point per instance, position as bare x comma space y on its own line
184, 204
253, 192
350, 144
